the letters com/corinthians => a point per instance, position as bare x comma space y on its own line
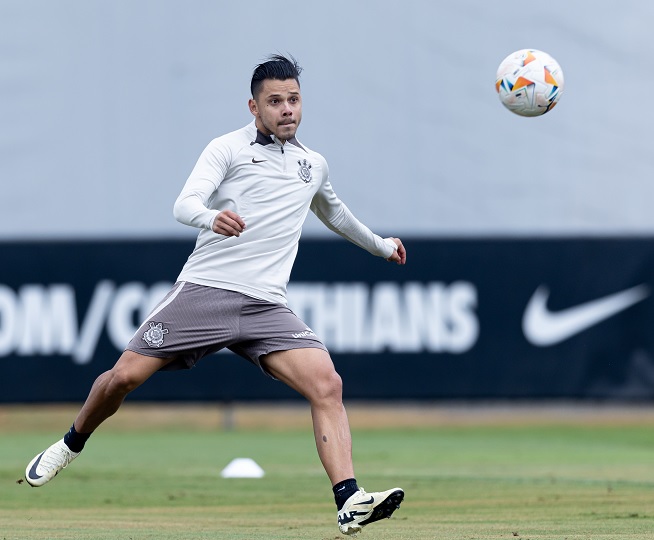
353, 317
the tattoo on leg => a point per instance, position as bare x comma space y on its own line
324, 438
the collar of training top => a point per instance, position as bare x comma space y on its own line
264, 140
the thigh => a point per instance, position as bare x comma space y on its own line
308, 371
137, 368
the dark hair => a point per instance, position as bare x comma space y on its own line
275, 67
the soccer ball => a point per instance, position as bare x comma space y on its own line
529, 82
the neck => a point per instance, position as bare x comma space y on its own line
262, 129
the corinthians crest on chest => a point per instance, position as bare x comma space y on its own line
304, 171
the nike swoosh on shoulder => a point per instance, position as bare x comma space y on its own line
258, 160
543, 327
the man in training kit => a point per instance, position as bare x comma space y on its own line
249, 195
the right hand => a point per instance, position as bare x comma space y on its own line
228, 223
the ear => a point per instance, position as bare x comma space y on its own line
253, 107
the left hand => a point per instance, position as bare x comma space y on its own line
399, 255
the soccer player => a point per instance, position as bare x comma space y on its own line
249, 194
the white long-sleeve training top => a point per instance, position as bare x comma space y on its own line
272, 187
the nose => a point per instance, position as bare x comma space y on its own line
287, 109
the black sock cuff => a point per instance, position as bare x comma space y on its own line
344, 490
347, 484
74, 440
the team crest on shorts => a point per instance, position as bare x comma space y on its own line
304, 172
154, 336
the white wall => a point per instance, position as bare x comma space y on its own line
105, 106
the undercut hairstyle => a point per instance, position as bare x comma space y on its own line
276, 67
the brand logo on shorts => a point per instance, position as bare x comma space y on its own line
307, 332
304, 172
154, 336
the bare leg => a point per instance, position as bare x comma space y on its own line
110, 388
311, 372
106, 396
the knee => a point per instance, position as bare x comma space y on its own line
328, 387
120, 381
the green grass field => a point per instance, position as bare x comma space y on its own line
546, 481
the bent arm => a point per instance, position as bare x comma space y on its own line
193, 205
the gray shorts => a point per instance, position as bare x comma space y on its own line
193, 321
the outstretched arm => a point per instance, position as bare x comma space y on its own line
338, 218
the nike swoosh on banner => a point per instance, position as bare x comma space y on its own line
32, 474
543, 327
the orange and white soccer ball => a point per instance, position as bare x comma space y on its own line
529, 82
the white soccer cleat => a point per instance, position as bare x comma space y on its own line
363, 508
45, 466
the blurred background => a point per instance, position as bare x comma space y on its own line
530, 240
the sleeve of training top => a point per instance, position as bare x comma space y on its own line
338, 218
192, 205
